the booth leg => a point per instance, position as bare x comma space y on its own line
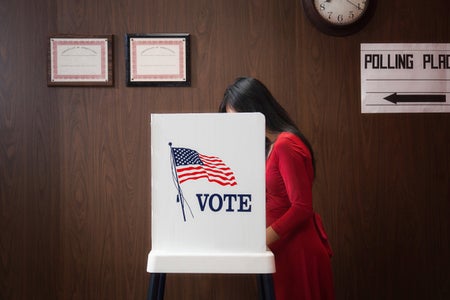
265, 286
156, 286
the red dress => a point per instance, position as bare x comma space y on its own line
302, 254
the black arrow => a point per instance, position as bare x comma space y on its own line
395, 98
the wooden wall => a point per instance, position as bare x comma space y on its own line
75, 167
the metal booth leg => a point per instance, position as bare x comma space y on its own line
156, 286
265, 286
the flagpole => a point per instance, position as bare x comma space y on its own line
180, 197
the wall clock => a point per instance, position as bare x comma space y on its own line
339, 17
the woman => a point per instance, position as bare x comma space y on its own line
295, 233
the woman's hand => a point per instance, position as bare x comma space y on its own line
271, 236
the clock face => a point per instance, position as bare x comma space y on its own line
341, 12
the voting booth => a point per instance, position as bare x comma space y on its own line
207, 196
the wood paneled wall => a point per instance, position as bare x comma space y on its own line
75, 167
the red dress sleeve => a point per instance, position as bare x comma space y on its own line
296, 171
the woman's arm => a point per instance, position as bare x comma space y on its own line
295, 167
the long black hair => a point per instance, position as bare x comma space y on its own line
248, 94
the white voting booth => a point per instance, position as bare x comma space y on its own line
208, 194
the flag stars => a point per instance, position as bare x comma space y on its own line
184, 157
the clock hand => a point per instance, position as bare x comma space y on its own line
357, 6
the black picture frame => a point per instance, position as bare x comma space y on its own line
158, 60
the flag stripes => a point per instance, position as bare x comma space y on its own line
191, 165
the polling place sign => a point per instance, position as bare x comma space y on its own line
208, 194
405, 78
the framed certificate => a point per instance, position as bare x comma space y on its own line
158, 60
80, 60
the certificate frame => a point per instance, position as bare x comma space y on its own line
158, 60
80, 60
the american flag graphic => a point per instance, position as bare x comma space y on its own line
191, 165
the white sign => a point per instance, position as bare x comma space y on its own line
405, 78
208, 194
